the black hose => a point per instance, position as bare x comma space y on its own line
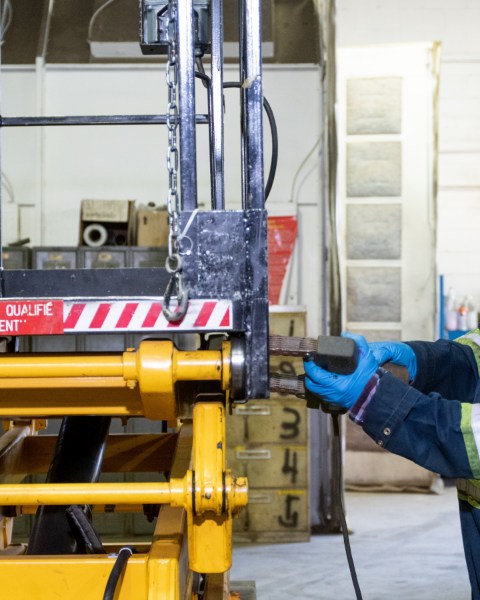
83, 530
200, 74
118, 567
205, 79
338, 491
274, 159
274, 134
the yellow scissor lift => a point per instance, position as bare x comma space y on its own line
201, 493
217, 265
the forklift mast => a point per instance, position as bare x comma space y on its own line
214, 285
217, 263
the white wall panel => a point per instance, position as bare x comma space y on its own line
459, 170
20, 149
130, 161
454, 23
400, 291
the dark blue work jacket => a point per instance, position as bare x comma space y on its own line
436, 423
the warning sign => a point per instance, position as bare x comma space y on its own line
282, 234
31, 317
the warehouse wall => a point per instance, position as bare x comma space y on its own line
52, 169
386, 197
21, 157
455, 24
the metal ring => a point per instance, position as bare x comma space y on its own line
186, 251
173, 263
237, 368
175, 284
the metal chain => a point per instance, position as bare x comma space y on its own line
173, 263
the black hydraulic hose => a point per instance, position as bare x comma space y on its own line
274, 159
205, 79
338, 491
118, 567
83, 530
274, 134
200, 74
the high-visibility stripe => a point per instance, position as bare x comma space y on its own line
469, 491
73, 316
154, 312
470, 427
176, 324
469, 499
225, 322
204, 314
100, 316
137, 314
472, 340
127, 314
474, 336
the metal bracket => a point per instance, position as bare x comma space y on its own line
153, 27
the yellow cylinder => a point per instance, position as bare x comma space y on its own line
133, 382
84, 493
201, 365
46, 366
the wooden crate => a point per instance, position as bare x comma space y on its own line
268, 443
281, 419
270, 465
274, 515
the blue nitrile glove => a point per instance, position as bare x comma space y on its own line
343, 390
395, 352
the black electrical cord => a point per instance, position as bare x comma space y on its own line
200, 74
274, 159
118, 567
338, 491
274, 134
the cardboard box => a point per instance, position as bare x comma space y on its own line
107, 222
152, 226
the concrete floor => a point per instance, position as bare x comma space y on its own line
405, 546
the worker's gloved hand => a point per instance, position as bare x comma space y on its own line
395, 352
343, 390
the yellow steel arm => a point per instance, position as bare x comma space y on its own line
138, 382
208, 492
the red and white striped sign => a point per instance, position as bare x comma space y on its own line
44, 317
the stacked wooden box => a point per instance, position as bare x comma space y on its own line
268, 443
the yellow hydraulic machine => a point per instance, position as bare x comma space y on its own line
206, 493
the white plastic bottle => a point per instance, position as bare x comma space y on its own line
450, 311
472, 315
462, 315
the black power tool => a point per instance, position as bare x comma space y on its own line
335, 354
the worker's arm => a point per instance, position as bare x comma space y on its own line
435, 432
448, 368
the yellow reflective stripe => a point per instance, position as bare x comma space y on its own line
472, 340
468, 499
471, 487
470, 427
